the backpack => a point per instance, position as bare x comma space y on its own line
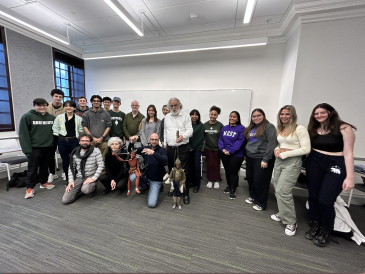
18, 179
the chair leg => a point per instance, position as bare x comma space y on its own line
7, 169
350, 197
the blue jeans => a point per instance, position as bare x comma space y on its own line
195, 168
154, 191
65, 148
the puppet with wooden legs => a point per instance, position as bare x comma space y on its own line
177, 179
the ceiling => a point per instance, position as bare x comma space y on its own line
95, 27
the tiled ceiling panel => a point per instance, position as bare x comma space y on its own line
79, 10
158, 4
40, 14
208, 12
106, 26
271, 7
11, 3
200, 28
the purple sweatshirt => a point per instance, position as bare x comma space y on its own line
231, 139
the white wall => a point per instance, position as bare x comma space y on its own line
331, 69
289, 68
256, 68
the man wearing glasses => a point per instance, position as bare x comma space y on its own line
86, 165
131, 124
155, 157
97, 123
177, 131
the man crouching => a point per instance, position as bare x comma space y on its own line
86, 165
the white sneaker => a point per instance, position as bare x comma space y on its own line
47, 185
216, 185
52, 177
63, 176
249, 200
173, 207
276, 217
209, 185
29, 193
257, 207
291, 229
179, 207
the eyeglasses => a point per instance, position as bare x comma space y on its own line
256, 116
96, 101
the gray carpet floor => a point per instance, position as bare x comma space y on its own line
119, 233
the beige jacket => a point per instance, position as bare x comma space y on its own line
55, 112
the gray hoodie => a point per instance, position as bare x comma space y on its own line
262, 146
97, 122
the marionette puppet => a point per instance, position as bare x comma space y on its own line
133, 169
177, 179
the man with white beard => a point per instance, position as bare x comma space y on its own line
178, 129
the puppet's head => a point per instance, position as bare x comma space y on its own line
133, 154
178, 163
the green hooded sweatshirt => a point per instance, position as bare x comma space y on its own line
35, 130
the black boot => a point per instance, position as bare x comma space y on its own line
313, 231
162, 187
323, 237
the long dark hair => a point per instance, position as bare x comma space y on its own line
260, 129
154, 116
238, 116
334, 122
196, 112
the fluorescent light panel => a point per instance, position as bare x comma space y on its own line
123, 13
189, 48
249, 10
32, 27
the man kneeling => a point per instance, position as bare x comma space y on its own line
86, 165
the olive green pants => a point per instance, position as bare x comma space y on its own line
286, 173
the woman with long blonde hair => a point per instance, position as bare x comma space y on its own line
293, 143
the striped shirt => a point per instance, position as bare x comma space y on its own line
93, 167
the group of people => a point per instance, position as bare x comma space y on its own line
100, 144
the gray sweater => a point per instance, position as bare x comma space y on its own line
148, 129
262, 146
97, 122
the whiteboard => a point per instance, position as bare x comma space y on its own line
202, 100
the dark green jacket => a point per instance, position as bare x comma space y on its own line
131, 125
35, 130
196, 141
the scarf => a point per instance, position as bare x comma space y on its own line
83, 158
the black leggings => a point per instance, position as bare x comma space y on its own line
232, 165
325, 176
121, 184
259, 179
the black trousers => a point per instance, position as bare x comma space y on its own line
52, 164
232, 165
184, 158
259, 179
325, 176
38, 164
121, 184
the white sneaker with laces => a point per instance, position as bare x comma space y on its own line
216, 185
179, 207
173, 207
47, 186
209, 185
249, 200
276, 217
257, 207
63, 176
52, 177
29, 193
291, 229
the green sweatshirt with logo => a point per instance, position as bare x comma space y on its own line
35, 130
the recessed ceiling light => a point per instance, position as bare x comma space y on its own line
193, 15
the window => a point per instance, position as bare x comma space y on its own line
69, 75
6, 105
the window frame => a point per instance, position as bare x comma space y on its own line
79, 65
3, 41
